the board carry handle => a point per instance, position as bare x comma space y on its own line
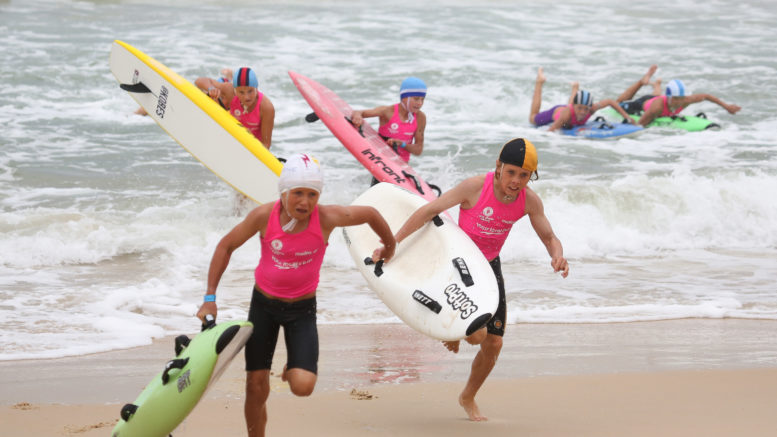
378, 265
177, 363
361, 131
210, 322
437, 221
311, 118
421, 297
604, 124
181, 342
461, 266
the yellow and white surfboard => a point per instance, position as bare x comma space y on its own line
197, 123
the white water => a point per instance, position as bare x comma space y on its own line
107, 225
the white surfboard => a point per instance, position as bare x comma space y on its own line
197, 123
438, 282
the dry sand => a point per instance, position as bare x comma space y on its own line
673, 378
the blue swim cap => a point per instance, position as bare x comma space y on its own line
676, 88
583, 98
412, 86
244, 76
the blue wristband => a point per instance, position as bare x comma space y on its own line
209, 298
403, 145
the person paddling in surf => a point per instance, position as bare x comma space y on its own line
294, 233
402, 124
575, 113
634, 106
244, 101
489, 205
675, 99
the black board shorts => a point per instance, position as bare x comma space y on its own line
634, 107
299, 331
496, 325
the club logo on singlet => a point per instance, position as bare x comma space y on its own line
237, 112
488, 211
394, 127
276, 244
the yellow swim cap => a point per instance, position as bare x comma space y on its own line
520, 152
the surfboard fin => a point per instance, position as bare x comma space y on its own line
135, 88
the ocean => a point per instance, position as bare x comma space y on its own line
107, 225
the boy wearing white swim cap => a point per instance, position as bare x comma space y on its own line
294, 233
675, 99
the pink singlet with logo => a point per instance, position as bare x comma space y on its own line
572, 118
251, 120
291, 263
665, 112
489, 222
399, 130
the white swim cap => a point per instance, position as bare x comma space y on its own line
676, 88
301, 171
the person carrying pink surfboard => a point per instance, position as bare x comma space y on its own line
402, 124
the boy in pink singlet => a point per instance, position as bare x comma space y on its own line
489, 206
402, 124
294, 232
675, 99
580, 108
244, 101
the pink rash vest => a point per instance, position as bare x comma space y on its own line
399, 130
489, 222
290, 264
251, 120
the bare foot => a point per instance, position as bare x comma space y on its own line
472, 409
452, 346
646, 78
657, 87
226, 74
540, 76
